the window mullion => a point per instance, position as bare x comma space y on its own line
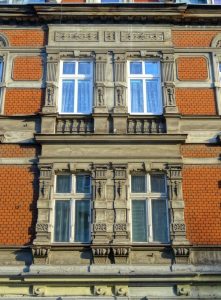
72, 238
150, 229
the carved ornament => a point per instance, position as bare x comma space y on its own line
121, 251
40, 252
100, 290
181, 251
183, 290
101, 251
39, 290
120, 227
100, 227
141, 36
76, 36
109, 36
179, 227
42, 227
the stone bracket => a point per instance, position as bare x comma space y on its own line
40, 255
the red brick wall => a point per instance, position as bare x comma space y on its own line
201, 150
192, 68
23, 101
202, 197
196, 101
27, 68
14, 150
18, 196
25, 38
189, 39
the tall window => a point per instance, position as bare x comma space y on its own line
72, 217
76, 87
149, 209
145, 87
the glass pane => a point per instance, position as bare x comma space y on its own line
158, 183
110, 1
67, 96
138, 184
34, 1
217, 2
63, 184
84, 68
154, 101
84, 97
135, 68
83, 183
62, 221
1, 70
139, 221
152, 68
82, 217
159, 215
136, 90
68, 68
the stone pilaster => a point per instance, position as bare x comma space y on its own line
177, 226
43, 235
121, 225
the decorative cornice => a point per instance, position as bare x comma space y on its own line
179, 13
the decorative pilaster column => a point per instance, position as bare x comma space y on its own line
51, 80
50, 102
170, 108
100, 230
121, 225
178, 227
100, 112
43, 234
120, 108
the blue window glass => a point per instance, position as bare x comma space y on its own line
135, 68
69, 68
67, 96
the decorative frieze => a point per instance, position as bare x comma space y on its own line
76, 36
121, 254
100, 255
120, 227
133, 36
100, 227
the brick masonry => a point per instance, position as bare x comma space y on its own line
14, 150
25, 38
27, 68
18, 196
192, 68
193, 39
196, 101
23, 101
202, 197
201, 151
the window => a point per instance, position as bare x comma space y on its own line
72, 217
76, 87
149, 209
145, 87
202, 2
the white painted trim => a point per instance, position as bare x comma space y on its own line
18, 161
202, 161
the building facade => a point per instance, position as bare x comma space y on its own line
110, 150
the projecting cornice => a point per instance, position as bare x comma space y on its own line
110, 139
174, 13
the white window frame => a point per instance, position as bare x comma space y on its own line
149, 196
143, 77
75, 77
73, 197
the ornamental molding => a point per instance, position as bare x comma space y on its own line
216, 42
110, 36
141, 36
76, 36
